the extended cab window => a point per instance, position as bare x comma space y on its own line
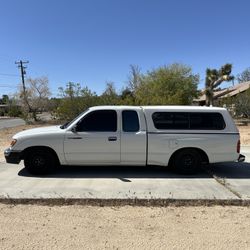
130, 121
170, 120
99, 121
213, 121
188, 120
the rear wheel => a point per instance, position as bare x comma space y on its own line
39, 161
187, 161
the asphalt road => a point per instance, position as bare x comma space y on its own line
10, 123
227, 181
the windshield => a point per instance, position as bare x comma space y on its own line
67, 124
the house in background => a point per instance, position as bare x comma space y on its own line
5, 108
230, 92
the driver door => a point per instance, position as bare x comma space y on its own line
95, 140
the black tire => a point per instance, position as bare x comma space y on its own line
187, 161
39, 161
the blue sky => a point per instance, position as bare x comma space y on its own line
95, 41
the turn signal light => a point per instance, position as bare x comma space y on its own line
13, 142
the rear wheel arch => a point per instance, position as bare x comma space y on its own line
188, 160
202, 153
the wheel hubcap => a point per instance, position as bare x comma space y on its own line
188, 161
38, 161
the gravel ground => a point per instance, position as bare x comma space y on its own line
86, 227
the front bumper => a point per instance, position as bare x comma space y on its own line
241, 158
12, 156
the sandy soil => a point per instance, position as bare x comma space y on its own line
244, 135
6, 136
84, 227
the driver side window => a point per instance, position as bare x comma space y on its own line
99, 121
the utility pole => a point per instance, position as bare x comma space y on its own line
23, 72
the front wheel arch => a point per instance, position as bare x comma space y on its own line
40, 160
48, 149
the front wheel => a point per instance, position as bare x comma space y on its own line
187, 161
39, 162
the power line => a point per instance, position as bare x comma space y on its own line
8, 87
3, 58
8, 84
3, 74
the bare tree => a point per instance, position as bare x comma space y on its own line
109, 96
134, 78
244, 76
37, 92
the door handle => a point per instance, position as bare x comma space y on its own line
112, 138
74, 138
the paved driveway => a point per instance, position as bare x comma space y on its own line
220, 182
9, 123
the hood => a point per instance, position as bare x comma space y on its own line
38, 131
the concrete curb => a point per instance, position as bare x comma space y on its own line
125, 202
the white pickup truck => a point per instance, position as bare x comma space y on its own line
178, 136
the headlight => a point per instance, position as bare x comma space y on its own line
13, 142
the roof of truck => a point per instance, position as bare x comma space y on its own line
162, 107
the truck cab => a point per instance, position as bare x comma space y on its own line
108, 136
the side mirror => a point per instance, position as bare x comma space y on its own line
74, 130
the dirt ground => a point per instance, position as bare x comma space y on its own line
86, 227
6, 136
244, 135
90, 227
